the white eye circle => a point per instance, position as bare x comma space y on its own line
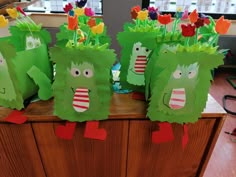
88, 73
30, 45
1, 61
177, 74
192, 74
75, 72
37, 44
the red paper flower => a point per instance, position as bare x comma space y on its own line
92, 22
19, 9
199, 23
207, 21
88, 12
222, 25
68, 7
164, 19
188, 30
134, 12
72, 22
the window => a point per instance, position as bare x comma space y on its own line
56, 6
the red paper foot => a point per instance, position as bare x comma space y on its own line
138, 96
164, 134
185, 137
67, 131
93, 132
16, 117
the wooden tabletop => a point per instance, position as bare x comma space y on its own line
122, 107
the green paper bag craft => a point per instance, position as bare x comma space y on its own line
25, 66
82, 88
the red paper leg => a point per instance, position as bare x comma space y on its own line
67, 131
185, 136
93, 132
16, 117
164, 134
138, 96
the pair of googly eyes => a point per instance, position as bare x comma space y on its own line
178, 74
75, 72
33, 44
138, 48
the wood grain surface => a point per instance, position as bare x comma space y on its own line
82, 157
19, 156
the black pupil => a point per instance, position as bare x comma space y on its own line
77, 72
190, 72
86, 72
180, 73
147, 50
137, 48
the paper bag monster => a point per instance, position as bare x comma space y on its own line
25, 66
82, 88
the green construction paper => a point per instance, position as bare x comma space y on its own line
25, 39
18, 64
195, 66
42, 81
72, 64
130, 79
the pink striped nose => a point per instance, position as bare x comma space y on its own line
177, 99
81, 100
140, 64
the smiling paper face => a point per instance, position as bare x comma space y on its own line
7, 91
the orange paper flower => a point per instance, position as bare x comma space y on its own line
92, 22
222, 25
72, 22
193, 16
134, 11
164, 19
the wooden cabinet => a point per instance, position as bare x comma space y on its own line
32, 149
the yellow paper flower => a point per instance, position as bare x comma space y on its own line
12, 12
79, 11
142, 15
98, 29
3, 21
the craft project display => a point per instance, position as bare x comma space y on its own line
177, 85
83, 62
25, 68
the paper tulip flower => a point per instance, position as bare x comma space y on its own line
188, 30
92, 22
72, 22
12, 13
88, 12
193, 17
134, 11
142, 15
222, 25
80, 3
3, 21
98, 29
79, 11
19, 9
164, 19
199, 23
68, 7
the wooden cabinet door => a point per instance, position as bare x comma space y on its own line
82, 157
19, 156
146, 159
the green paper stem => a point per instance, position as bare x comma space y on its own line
214, 40
186, 42
75, 37
88, 38
196, 36
164, 34
97, 40
19, 21
28, 18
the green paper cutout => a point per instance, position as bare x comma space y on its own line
86, 68
19, 63
193, 89
130, 79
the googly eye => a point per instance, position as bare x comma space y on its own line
192, 74
88, 73
75, 72
177, 74
37, 44
1, 61
30, 45
137, 49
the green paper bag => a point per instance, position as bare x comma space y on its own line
135, 54
82, 87
180, 80
23, 74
